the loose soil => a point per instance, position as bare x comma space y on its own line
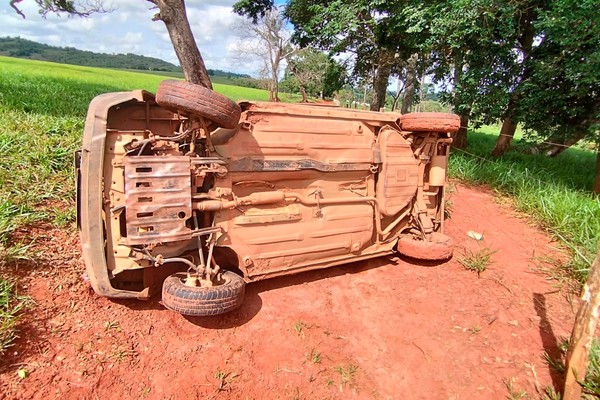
388, 328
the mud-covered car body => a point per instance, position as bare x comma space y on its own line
290, 188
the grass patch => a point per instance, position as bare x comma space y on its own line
513, 393
347, 373
11, 306
556, 192
476, 260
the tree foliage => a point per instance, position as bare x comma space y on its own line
561, 97
314, 73
69, 7
374, 32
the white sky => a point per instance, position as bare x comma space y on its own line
130, 29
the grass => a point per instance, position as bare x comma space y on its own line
591, 385
476, 260
556, 192
299, 327
514, 394
314, 356
11, 306
347, 373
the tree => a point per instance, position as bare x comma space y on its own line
171, 12
410, 82
174, 16
564, 80
64, 6
536, 63
334, 78
526, 13
268, 38
314, 73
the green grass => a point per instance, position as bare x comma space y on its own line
476, 260
556, 192
591, 384
11, 306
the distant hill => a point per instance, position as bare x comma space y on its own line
23, 48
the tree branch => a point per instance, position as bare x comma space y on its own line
13, 4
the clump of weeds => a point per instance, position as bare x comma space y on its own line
347, 373
476, 260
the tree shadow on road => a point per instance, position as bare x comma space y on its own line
549, 340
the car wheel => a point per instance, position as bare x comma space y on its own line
439, 247
430, 122
227, 295
194, 100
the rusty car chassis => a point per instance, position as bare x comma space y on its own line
201, 195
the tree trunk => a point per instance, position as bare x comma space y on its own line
381, 79
553, 145
509, 124
460, 138
583, 332
399, 89
504, 139
303, 93
173, 14
409, 88
423, 94
596, 188
274, 93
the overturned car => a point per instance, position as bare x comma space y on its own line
192, 191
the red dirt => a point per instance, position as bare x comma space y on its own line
382, 329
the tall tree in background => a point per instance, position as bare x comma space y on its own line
268, 38
171, 12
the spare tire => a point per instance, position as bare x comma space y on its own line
194, 100
227, 295
439, 247
430, 122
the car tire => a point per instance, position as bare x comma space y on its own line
439, 248
203, 301
194, 100
430, 122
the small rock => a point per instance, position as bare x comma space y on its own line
514, 323
475, 235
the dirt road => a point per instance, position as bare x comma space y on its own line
383, 329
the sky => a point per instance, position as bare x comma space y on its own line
130, 29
